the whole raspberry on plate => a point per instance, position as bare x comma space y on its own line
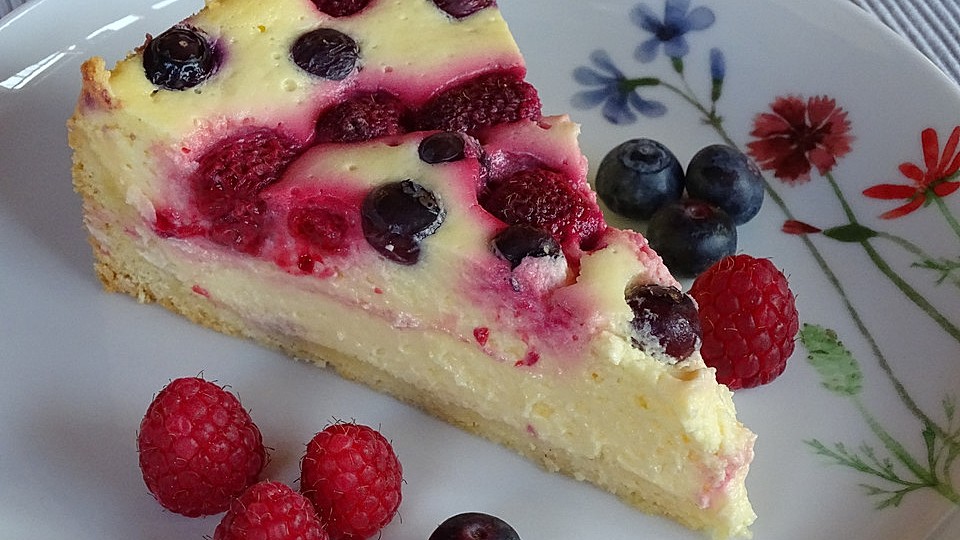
198, 447
270, 511
352, 475
749, 320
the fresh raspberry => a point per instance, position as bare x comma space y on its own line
360, 118
486, 100
749, 320
270, 511
547, 200
340, 8
229, 179
198, 448
353, 477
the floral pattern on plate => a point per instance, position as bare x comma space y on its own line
797, 140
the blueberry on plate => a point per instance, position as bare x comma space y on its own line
690, 235
726, 177
474, 526
639, 176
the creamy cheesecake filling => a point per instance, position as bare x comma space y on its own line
539, 357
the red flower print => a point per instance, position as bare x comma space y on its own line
937, 181
792, 226
798, 135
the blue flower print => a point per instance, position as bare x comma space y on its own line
614, 90
671, 32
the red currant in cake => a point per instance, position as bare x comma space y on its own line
326, 53
179, 58
396, 217
353, 477
198, 448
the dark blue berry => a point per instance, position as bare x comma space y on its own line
517, 242
664, 320
637, 177
178, 59
396, 217
326, 53
726, 177
462, 8
474, 526
690, 235
341, 8
442, 147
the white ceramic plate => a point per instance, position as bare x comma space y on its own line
80, 366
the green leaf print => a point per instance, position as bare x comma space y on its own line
838, 370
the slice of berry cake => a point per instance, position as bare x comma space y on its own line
371, 185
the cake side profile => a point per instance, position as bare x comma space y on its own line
372, 186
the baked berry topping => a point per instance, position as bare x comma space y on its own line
517, 242
727, 178
228, 182
396, 217
547, 200
270, 511
363, 117
178, 59
664, 320
474, 526
323, 227
639, 176
691, 235
326, 53
239, 167
463, 8
241, 227
340, 8
198, 447
442, 147
486, 100
749, 320
353, 477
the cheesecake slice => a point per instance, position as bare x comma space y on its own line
372, 186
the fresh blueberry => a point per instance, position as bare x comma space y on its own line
639, 176
726, 177
517, 242
397, 216
664, 320
474, 526
326, 53
442, 147
178, 59
690, 235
